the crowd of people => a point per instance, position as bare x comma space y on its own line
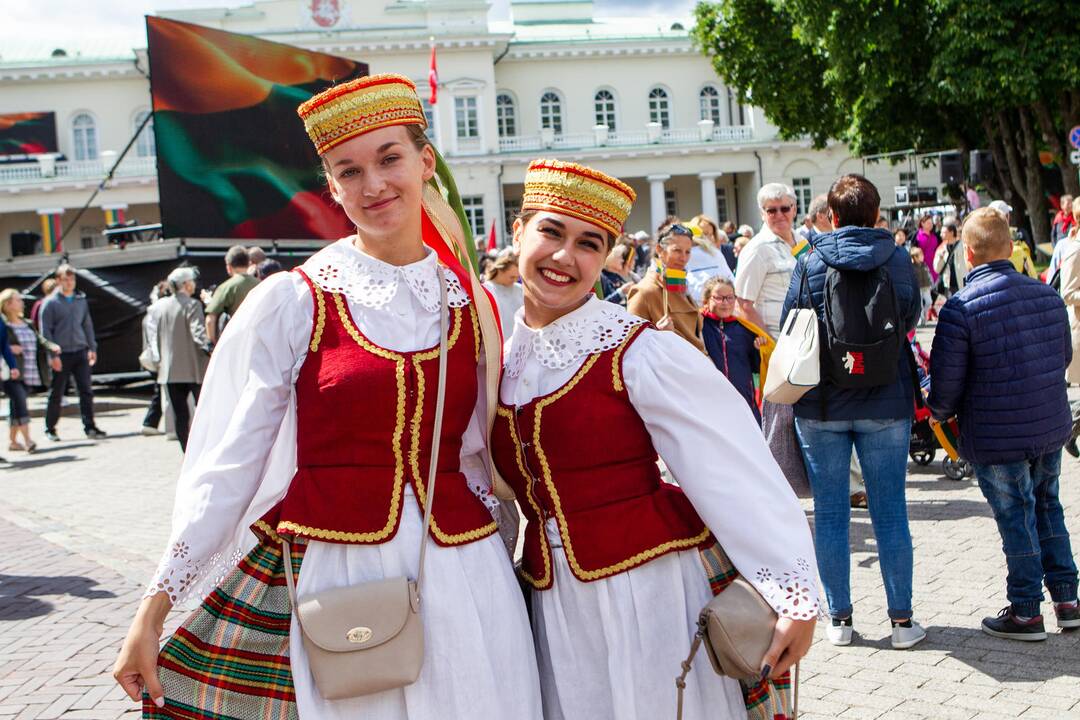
382, 359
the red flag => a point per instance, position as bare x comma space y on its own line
433, 77
492, 245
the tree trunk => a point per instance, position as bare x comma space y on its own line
1038, 208
1052, 133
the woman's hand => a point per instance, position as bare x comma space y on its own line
760, 341
136, 667
791, 640
665, 323
16, 349
15, 374
55, 364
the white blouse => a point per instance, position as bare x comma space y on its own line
701, 428
241, 454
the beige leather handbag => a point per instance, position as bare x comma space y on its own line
736, 627
368, 638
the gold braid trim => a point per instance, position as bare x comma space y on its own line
475, 331
414, 449
630, 562
616, 374
320, 322
544, 550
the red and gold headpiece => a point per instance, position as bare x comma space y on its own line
359, 106
578, 191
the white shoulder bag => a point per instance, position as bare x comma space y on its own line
795, 364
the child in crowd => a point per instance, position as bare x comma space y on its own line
922, 274
738, 348
1002, 340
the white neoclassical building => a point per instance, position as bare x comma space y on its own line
630, 96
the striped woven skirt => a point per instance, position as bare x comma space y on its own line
766, 700
230, 658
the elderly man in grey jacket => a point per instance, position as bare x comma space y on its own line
177, 334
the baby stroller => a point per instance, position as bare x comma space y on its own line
927, 434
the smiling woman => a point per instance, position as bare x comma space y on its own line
317, 427
589, 395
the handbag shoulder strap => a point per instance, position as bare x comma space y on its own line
440, 403
444, 322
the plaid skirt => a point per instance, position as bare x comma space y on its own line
766, 700
230, 658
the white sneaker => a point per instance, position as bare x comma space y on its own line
838, 632
148, 430
906, 637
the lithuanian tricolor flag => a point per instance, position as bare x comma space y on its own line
674, 280
233, 158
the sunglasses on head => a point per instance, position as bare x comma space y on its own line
677, 229
785, 209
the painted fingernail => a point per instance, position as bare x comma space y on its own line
765, 672
159, 701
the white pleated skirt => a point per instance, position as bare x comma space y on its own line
479, 660
611, 649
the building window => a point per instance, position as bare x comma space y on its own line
84, 135
551, 112
466, 117
144, 146
429, 116
474, 213
736, 112
669, 202
909, 179
506, 115
803, 194
721, 205
660, 107
710, 104
604, 105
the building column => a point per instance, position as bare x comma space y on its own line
657, 201
708, 195
51, 229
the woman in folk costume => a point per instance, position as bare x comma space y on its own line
315, 428
611, 550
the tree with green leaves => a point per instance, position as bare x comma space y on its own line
889, 75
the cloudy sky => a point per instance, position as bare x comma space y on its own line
54, 21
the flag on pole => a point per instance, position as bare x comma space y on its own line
51, 229
433, 75
492, 245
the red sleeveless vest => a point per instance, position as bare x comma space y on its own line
365, 418
582, 455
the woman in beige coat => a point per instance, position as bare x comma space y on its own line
1070, 293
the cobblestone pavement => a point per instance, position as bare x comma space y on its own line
82, 524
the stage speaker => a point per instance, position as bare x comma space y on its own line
951, 166
24, 243
982, 166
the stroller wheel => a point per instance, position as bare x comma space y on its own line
955, 469
922, 457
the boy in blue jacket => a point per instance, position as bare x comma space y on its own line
998, 361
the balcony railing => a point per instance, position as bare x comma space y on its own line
36, 173
626, 138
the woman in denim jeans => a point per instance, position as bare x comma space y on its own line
876, 421
24, 341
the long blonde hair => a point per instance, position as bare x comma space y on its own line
6, 296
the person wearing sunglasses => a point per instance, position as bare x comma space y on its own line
765, 264
662, 296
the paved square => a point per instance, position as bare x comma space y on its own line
82, 524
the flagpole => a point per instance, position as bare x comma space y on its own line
433, 81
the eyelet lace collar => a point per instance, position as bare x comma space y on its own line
344, 268
594, 327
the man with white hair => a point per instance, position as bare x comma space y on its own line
179, 339
765, 264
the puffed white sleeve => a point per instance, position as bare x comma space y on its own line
474, 447
241, 453
709, 440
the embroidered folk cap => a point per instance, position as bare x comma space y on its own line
359, 106
578, 191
